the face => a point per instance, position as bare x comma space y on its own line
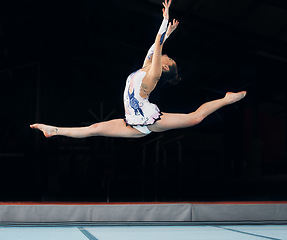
166, 61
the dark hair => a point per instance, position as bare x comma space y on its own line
171, 76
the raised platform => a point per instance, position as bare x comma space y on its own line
33, 212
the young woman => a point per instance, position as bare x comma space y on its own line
143, 117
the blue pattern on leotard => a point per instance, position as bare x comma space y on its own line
162, 38
135, 104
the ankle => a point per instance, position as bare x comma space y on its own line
226, 101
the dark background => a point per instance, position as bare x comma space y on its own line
65, 63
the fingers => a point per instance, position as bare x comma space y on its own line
166, 3
175, 23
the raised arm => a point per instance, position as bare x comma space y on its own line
170, 29
150, 52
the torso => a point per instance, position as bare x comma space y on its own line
138, 109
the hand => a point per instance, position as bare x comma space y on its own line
172, 27
165, 10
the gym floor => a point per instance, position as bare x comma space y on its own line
146, 232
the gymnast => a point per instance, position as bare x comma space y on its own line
141, 116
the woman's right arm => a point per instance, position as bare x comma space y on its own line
170, 29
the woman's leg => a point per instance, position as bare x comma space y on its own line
172, 121
112, 128
118, 128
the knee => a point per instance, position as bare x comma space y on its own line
94, 129
196, 119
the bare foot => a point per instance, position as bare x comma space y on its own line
234, 97
48, 131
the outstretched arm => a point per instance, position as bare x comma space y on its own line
171, 27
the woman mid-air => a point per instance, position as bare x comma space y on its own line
143, 117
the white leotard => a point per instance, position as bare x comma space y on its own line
139, 111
